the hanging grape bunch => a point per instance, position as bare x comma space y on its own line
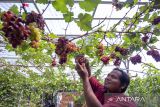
64, 47
35, 35
156, 21
136, 59
122, 51
105, 59
14, 28
116, 60
100, 50
80, 59
145, 39
54, 62
37, 18
155, 54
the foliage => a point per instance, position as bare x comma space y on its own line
147, 88
21, 84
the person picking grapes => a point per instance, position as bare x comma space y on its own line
111, 94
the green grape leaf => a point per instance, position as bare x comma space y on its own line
60, 5
52, 35
153, 40
135, 1
52, 46
24, 15
89, 5
70, 2
153, 16
68, 17
146, 17
42, 1
110, 35
156, 32
84, 21
14, 9
24, 46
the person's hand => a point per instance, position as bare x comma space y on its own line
81, 59
82, 70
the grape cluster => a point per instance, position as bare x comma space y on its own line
112, 55
80, 59
64, 47
155, 54
117, 4
122, 51
100, 48
37, 18
156, 21
136, 59
14, 29
105, 59
117, 61
54, 62
35, 35
145, 39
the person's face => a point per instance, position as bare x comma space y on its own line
112, 81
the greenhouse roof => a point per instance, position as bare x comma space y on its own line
55, 22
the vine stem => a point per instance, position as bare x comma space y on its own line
46, 7
122, 18
138, 16
150, 66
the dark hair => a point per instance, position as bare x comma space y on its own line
124, 79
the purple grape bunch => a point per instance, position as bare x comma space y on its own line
37, 18
14, 28
117, 61
122, 51
145, 39
156, 21
155, 54
136, 59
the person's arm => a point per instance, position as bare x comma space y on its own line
91, 99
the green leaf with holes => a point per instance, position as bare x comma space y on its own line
68, 17
89, 5
14, 9
84, 21
60, 5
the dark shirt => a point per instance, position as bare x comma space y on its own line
107, 99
